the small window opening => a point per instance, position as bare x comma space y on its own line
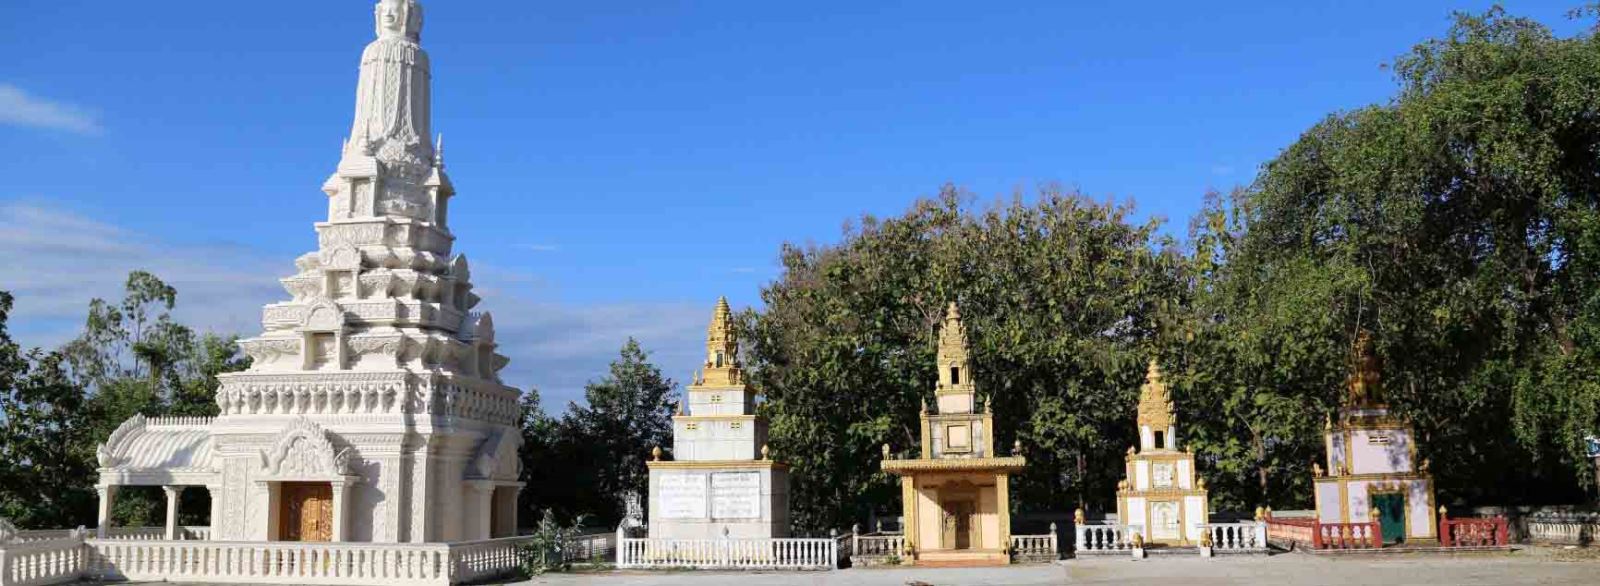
1161, 439
955, 375
719, 359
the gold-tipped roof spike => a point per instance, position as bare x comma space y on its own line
722, 367
1155, 401
954, 358
1365, 382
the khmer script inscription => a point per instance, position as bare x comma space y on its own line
736, 495
683, 496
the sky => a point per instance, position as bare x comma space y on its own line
621, 164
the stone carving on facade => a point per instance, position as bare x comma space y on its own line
303, 450
373, 343
8, 532
105, 453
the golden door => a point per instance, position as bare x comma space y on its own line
958, 524
307, 513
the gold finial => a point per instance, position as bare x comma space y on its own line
1327, 422
1443, 511
1373, 513
1365, 371
655, 454
765, 452
1130, 451
886, 451
722, 366
1425, 464
1078, 517
1261, 514
1155, 401
1200, 483
1016, 447
1138, 540
954, 360
1205, 538
1269, 511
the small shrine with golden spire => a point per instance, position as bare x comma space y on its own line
720, 481
1161, 498
1370, 471
955, 497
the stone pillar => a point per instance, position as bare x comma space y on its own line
1002, 499
910, 525
107, 493
173, 492
341, 510
215, 531
479, 500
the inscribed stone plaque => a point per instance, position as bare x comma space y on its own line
682, 496
736, 495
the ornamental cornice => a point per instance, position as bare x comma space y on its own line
1005, 464
1161, 492
716, 465
1376, 476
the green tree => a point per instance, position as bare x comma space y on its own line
1460, 224
1061, 297
46, 453
604, 444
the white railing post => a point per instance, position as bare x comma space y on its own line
833, 548
622, 542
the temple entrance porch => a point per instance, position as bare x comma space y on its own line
305, 511
956, 518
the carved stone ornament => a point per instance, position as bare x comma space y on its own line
302, 450
8, 532
344, 257
105, 453
494, 450
324, 316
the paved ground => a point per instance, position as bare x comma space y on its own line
1528, 566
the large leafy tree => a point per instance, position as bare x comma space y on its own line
1460, 223
1060, 295
132, 358
602, 446
46, 450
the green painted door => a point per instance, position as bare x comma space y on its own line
1391, 516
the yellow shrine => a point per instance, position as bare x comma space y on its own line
956, 497
1161, 498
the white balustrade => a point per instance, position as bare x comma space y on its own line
766, 554
882, 545
490, 558
279, 562
40, 562
1104, 539
1563, 532
1244, 536
1036, 547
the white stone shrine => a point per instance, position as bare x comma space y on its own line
373, 410
1161, 498
720, 482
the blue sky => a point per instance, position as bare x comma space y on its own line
621, 164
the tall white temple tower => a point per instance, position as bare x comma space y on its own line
373, 410
721, 482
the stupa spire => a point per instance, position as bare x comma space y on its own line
1365, 382
1155, 400
388, 162
722, 348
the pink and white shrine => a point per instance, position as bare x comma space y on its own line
1371, 471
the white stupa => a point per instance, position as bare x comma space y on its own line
373, 410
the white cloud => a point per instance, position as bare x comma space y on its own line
19, 108
55, 261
